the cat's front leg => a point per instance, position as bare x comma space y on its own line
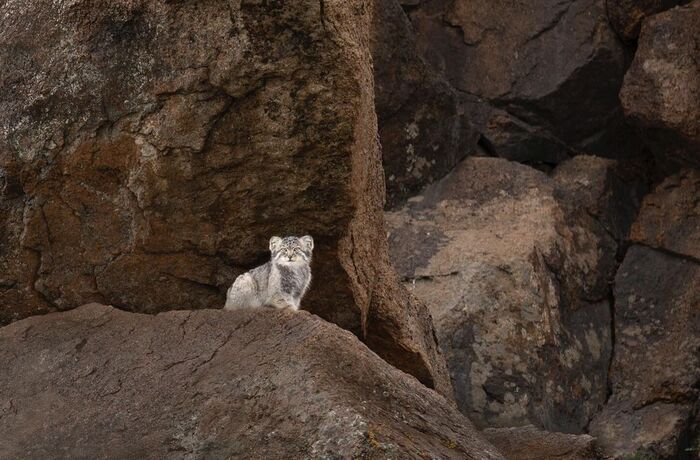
282, 303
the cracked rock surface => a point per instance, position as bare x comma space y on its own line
99, 382
541, 79
150, 149
627, 16
661, 91
423, 127
515, 268
655, 372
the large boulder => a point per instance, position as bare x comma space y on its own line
422, 126
150, 150
655, 371
661, 92
515, 267
213, 384
540, 79
626, 16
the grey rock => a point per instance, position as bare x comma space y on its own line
655, 371
661, 91
423, 129
515, 267
97, 382
540, 80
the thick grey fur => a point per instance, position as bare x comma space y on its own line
279, 283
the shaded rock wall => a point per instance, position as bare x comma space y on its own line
540, 79
515, 267
655, 370
150, 149
213, 384
626, 16
661, 92
542, 82
423, 127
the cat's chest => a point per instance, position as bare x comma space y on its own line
292, 280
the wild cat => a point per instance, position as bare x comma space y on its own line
281, 282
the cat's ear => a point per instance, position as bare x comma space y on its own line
307, 242
275, 243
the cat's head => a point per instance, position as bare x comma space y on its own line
291, 249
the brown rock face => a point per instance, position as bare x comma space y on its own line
515, 267
655, 372
214, 384
529, 443
422, 126
671, 217
626, 16
541, 79
661, 92
150, 149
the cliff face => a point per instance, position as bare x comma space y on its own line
564, 295
151, 149
512, 183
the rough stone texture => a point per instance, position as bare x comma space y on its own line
541, 79
515, 268
151, 148
529, 443
626, 16
661, 92
655, 372
422, 126
670, 220
606, 193
97, 382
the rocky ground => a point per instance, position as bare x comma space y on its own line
505, 200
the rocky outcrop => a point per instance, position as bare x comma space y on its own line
422, 126
626, 16
212, 384
150, 150
655, 372
540, 79
515, 267
661, 92
529, 443
670, 220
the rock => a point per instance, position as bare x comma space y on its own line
212, 384
661, 91
670, 219
540, 79
515, 267
529, 443
422, 126
151, 149
607, 192
626, 16
655, 371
